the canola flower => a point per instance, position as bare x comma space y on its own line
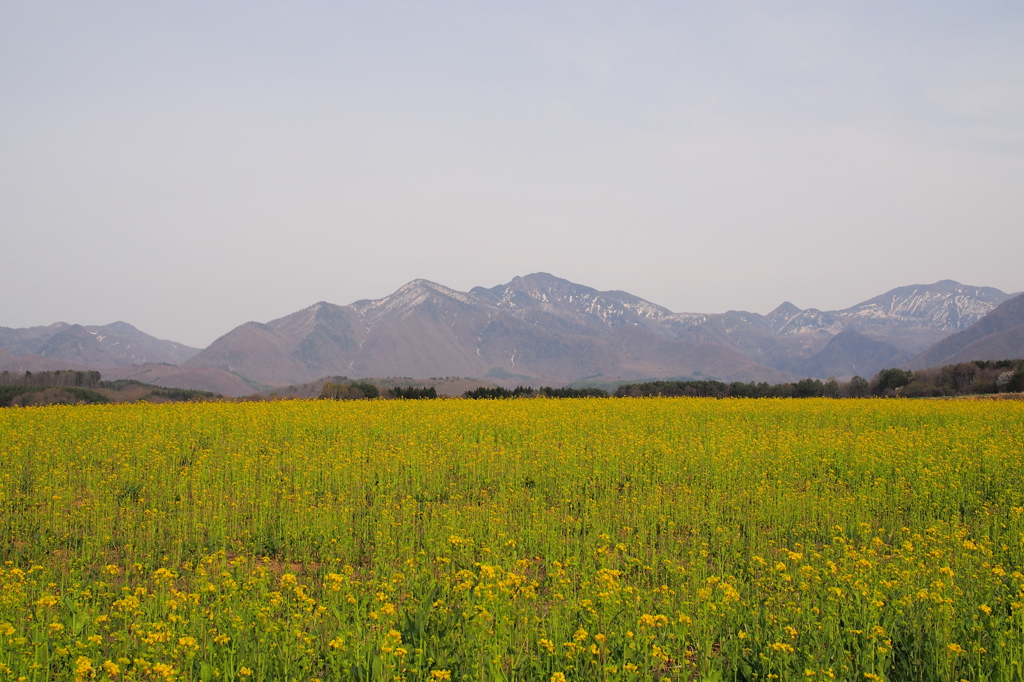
531, 540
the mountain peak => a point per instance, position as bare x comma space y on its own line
420, 287
408, 297
544, 292
946, 304
539, 279
121, 326
784, 310
551, 329
981, 341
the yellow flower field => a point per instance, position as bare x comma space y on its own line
631, 539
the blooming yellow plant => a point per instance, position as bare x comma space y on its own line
531, 540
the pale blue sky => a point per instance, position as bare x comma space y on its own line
189, 166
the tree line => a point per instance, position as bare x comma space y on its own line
979, 377
76, 386
52, 379
966, 378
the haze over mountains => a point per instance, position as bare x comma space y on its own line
541, 329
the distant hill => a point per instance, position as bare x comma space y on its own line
852, 353
112, 345
196, 378
9, 362
998, 335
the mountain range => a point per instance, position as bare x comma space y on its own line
541, 329
73, 346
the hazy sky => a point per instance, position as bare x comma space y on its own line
189, 166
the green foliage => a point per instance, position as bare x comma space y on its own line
704, 388
808, 388
1016, 382
184, 394
413, 393
967, 378
858, 387
710, 388
484, 393
364, 389
59, 378
892, 379
9, 393
832, 388
549, 392
86, 395
355, 390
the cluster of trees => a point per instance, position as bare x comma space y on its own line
73, 386
53, 379
713, 388
966, 378
549, 392
413, 393
177, 395
11, 395
68, 386
484, 393
357, 390
183, 395
528, 392
962, 379
979, 377
364, 390
353, 390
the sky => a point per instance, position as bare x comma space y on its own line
189, 166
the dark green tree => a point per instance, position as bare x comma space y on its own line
859, 387
892, 379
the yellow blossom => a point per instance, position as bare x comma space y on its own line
83, 668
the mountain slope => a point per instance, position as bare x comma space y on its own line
994, 337
1004, 345
851, 353
196, 378
253, 350
113, 345
945, 305
915, 315
18, 364
537, 328
577, 304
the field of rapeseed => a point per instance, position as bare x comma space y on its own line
680, 539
